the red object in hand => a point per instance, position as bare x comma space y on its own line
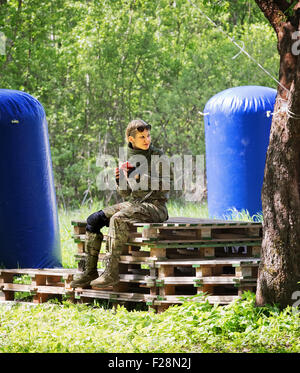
126, 166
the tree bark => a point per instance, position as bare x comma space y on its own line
279, 271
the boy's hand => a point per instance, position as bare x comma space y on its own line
127, 168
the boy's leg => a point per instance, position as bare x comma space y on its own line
116, 238
100, 218
92, 247
93, 240
109, 211
118, 235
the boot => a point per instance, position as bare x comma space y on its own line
110, 276
93, 245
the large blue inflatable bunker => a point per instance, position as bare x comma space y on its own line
29, 226
237, 130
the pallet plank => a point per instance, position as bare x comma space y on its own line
223, 279
215, 261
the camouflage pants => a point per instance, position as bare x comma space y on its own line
122, 215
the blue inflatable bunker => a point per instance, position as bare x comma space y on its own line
29, 226
237, 130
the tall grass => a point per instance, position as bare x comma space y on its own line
191, 327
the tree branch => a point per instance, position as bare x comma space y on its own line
273, 11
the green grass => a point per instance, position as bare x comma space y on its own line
191, 327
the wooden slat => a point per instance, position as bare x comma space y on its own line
17, 287
79, 223
185, 221
187, 227
33, 288
224, 279
45, 272
206, 243
79, 230
210, 240
127, 259
140, 253
222, 261
136, 278
222, 299
136, 297
50, 289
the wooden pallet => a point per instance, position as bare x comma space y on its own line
188, 229
212, 237
183, 257
157, 287
44, 285
162, 264
135, 254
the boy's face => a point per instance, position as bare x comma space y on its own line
142, 140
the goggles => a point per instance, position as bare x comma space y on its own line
144, 127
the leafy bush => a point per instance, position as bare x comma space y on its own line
192, 327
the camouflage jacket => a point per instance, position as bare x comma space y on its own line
151, 179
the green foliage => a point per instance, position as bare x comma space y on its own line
195, 326
290, 9
96, 65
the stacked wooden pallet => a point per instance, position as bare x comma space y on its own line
41, 284
164, 263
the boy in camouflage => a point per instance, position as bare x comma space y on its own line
143, 203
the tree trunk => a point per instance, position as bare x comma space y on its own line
279, 271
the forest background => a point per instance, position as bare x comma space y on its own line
95, 65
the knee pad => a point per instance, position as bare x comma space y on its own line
96, 221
